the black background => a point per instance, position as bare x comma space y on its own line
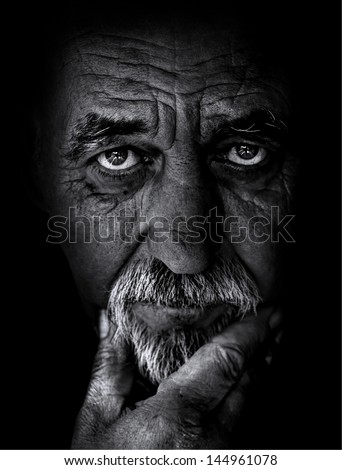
47, 343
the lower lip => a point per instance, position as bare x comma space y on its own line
161, 318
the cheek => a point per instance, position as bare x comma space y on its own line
252, 237
101, 238
94, 266
265, 263
100, 234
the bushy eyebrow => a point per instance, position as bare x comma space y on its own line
94, 129
258, 123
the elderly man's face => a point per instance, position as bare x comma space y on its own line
165, 124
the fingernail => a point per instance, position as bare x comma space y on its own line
275, 320
103, 324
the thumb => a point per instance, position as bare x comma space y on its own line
112, 374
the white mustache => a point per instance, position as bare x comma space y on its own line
160, 354
152, 281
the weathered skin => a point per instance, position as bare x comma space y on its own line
183, 84
197, 407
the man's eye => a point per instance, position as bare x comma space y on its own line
118, 159
244, 154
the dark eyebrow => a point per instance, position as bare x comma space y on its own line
95, 125
94, 128
261, 123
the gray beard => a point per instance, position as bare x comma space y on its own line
159, 354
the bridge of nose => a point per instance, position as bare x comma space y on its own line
182, 192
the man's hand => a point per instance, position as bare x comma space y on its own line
196, 407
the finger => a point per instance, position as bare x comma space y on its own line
276, 324
217, 366
112, 374
228, 414
233, 417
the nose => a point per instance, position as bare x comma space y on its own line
180, 232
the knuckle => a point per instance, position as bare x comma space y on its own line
231, 359
169, 419
157, 427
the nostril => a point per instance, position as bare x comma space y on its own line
183, 251
186, 264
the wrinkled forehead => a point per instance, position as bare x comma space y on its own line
164, 73
184, 43
178, 46
177, 57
